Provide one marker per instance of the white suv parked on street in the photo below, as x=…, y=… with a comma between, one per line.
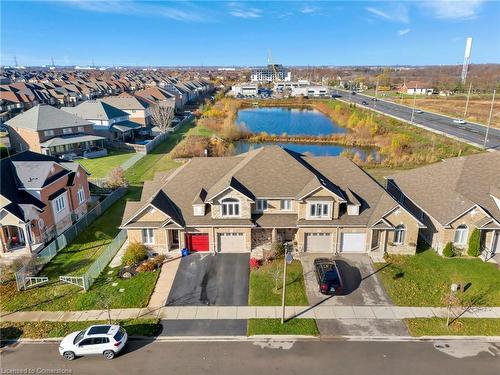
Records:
x=107, y=340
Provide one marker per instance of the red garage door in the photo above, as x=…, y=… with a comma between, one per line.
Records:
x=197, y=242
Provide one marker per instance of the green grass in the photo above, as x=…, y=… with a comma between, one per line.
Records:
x=100, y=167
x=425, y=278
x=201, y=131
x=262, y=285
x=48, y=329
x=459, y=327
x=274, y=327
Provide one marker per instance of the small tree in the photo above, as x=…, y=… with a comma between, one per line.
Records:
x=162, y=116
x=116, y=178
x=474, y=249
x=275, y=272
x=448, y=250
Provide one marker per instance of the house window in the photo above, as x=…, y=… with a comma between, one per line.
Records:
x=461, y=234
x=286, y=205
x=261, y=204
x=81, y=195
x=67, y=130
x=230, y=207
x=319, y=210
x=399, y=235
x=81, y=129
x=148, y=236
x=60, y=204
x=199, y=210
x=48, y=133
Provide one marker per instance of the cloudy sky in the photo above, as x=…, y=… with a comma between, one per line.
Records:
x=169, y=33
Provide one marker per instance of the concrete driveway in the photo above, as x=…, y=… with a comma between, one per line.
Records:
x=362, y=287
x=205, y=279
x=361, y=284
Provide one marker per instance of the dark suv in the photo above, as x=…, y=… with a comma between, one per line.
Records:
x=328, y=276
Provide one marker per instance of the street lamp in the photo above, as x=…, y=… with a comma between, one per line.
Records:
x=287, y=259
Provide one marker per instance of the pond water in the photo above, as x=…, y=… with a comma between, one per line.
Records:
x=292, y=121
x=313, y=149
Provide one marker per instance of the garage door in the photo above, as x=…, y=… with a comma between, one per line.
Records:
x=232, y=243
x=318, y=243
x=197, y=242
x=353, y=242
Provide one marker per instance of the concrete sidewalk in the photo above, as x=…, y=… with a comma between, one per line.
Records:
x=250, y=312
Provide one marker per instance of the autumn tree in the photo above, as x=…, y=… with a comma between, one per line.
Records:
x=162, y=116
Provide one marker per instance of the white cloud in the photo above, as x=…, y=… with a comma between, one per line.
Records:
x=190, y=13
x=396, y=13
x=453, y=9
x=403, y=32
x=309, y=10
x=243, y=11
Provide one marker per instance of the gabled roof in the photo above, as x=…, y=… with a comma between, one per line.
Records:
x=447, y=189
x=126, y=102
x=46, y=117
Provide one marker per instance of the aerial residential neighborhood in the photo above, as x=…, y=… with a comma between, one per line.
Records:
x=272, y=187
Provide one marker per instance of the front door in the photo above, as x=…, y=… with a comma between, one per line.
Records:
x=495, y=244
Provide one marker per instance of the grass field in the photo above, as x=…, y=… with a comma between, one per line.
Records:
x=462, y=326
x=425, y=278
x=274, y=327
x=46, y=329
x=100, y=167
x=262, y=284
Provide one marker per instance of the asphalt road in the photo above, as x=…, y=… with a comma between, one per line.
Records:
x=204, y=279
x=469, y=132
x=229, y=358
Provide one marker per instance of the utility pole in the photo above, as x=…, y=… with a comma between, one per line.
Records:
x=467, y=102
x=287, y=259
x=414, y=102
x=489, y=119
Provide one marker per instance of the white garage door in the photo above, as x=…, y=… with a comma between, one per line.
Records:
x=231, y=243
x=353, y=242
x=319, y=243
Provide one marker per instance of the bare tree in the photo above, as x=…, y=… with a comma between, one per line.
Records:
x=162, y=116
x=276, y=273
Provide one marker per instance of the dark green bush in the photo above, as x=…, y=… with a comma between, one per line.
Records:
x=474, y=249
x=448, y=250
x=135, y=252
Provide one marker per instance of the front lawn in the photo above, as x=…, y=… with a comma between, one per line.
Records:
x=100, y=167
x=459, y=327
x=262, y=285
x=274, y=327
x=425, y=278
x=47, y=329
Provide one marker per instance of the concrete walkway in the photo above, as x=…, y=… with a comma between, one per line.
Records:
x=250, y=312
x=164, y=283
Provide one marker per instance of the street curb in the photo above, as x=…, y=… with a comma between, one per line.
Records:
x=280, y=338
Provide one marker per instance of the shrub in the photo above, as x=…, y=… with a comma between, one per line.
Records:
x=448, y=250
x=278, y=248
x=474, y=249
x=135, y=252
x=254, y=264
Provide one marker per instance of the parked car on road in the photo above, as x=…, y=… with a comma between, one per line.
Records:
x=459, y=121
x=328, y=276
x=419, y=111
x=364, y=102
x=107, y=340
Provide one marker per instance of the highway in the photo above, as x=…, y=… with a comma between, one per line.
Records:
x=468, y=132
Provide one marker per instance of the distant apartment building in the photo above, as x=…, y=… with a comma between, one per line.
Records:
x=245, y=89
x=51, y=131
x=40, y=197
x=271, y=73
